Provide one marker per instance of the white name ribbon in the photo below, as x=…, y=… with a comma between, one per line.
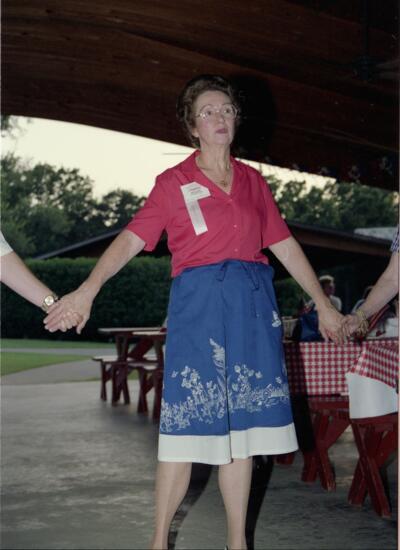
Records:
x=192, y=193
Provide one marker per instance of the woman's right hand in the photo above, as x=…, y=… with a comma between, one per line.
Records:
x=72, y=310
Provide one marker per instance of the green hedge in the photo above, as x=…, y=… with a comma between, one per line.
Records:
x=288, y=295
x=136, y=296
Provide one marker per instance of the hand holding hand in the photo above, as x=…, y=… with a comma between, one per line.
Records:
x=350, y=325
x=330, y=324
x=72, y=310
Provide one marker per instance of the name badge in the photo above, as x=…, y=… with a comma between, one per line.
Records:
x=192, y=193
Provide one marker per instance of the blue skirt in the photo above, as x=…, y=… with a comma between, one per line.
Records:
x=225, y=392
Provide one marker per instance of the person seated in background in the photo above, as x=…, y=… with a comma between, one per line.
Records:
x=306, y=329
x=328, y=286
x=360, y=302
x=302, y=306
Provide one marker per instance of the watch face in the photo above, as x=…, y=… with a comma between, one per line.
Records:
x=49, y=300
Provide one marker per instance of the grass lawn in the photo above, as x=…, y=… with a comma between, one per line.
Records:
x=16, y=362
x=51, y=344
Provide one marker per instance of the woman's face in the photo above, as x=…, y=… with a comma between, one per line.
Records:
x=214, y=126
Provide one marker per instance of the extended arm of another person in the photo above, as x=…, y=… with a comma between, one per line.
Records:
x=17, y=276
x=386, y=288
x=121, y=250
x=291, y=255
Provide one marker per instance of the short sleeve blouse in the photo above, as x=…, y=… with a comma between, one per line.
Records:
x=5, y=248
x=238, y=225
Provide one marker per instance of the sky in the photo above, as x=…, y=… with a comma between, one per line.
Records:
x=111, y=159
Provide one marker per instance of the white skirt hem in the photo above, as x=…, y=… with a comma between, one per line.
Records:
x=221, y=449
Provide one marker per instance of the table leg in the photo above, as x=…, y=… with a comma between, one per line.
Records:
x=374, y=448
x=310, y=467
x=119, y=372
x=120, y=383
x=286, y=459
x=328, y=426
x=157, y=382
x=114, y=382
x=122, y=345
x=124, y=384
x=143, y=389
x=358, y=489
x=334, y=429
x=105, y=377
x=369, y=444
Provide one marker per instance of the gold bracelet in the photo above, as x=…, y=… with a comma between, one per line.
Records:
x=364, y=325
x=361, y=313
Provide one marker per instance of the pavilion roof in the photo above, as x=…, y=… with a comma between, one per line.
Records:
x=120, y=65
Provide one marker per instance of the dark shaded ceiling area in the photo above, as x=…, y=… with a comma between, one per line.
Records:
x=318, y=78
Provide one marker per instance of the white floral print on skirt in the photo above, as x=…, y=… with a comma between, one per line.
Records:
x=225, y=392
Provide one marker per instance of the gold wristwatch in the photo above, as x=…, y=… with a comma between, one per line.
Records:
x=48, y=301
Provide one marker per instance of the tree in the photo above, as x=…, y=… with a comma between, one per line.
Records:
x=117, y=207
x=45, y=208
x=70, y=193
x=51, y=222
x=9, y=124
x=342, y=206
x=15, y=204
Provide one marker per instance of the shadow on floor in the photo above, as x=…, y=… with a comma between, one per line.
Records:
x=198, y=482
x=262, y=470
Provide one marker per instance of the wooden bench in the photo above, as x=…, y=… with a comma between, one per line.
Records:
x=117, y=371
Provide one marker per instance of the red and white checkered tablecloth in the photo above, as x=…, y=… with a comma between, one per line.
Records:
x=319, y=368
x=379, y=359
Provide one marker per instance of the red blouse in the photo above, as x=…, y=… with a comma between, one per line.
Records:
x=238, y=225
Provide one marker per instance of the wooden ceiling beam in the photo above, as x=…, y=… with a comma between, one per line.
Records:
x=121, y=65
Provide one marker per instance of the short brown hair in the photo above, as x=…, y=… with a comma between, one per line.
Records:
x=192, y=90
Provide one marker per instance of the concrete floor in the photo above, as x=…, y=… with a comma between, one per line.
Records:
x=79, y=474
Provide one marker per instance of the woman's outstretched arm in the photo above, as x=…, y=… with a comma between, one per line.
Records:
x=384, y=290
x=291, y=255
x=79, y=302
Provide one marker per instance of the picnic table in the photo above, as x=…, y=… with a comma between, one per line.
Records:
x=327, y=384
x=133, y=345
x=328, y=387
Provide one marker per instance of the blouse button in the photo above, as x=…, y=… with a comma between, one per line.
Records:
x=235, y=226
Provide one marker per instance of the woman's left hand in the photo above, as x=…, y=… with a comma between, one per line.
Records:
x=350, y=325
x=330, y=324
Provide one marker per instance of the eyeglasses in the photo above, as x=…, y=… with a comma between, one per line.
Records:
x=208, y=112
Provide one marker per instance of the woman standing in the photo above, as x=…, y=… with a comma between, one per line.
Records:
x=225, y=395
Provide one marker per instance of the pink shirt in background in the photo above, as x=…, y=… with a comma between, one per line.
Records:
x=239, y=225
